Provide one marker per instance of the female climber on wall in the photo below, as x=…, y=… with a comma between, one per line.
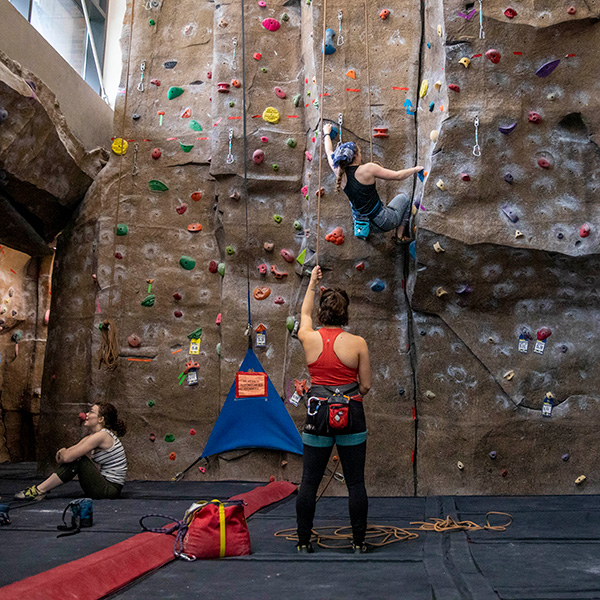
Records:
x=338, y=364
x=367, y=208
x=100, y=448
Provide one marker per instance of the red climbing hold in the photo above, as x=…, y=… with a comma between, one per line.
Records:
x=493, y=55
x=156, y=153
x=380, y=132
x=133, y=340
x=287, y=255
x=278, y=274
x=272, y=478
x=194, y=227
x=257, y=56
x=534, y=117
x=465, y=177
x=262, y=269
x=336, y=236
x=360, y=266
x=172, y=456
x=178, y=314
x=155, y=82
x=544, y=163
x=152, y=437
x=82, y=416
x=196, y=196
x=177, y=296
x=118, y=255
x=454, y=87
x=209, y=75
x=181, y=209
x=543, y=333
x=213, y=266
x=236, y=83
x=223, y=87
x=584, y=230
x=510, y=13
x=192, y=432
x=279, y=92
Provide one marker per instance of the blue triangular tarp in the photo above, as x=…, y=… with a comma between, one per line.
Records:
x=253, y=422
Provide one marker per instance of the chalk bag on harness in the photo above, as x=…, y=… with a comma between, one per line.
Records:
x=338, y=410
x=82, y=515
x=362, y=228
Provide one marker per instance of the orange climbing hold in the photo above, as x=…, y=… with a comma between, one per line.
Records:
x=261, y=293
x=278, y=274
x=194, y=227
x=380, y=132
x=172, y=456
x=351, y=73
x=186, y=114
x=196, y=196
x=336, y=236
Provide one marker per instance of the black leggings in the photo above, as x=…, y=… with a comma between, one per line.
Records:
x=314, y=463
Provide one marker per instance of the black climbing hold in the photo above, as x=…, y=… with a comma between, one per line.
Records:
x=401, y=391
x=423, y=332
x=170, y=64
x=3, y=114
x=197, y=82
x=560, y=236
x=564, y=348
x=135, y=116
x=508, y=178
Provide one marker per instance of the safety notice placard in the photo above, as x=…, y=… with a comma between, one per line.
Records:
x=250, y=385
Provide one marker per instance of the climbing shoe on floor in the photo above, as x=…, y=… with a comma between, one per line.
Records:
x=305, y=548
x=360, y=548
x=31, y=493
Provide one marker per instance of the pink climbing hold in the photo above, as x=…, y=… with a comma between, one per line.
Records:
x=336, y=236
x=454, y=87
x=584, y=230
x=134, y=341
x=181, y=209
x=304, y=190
x=279, y=300
x=571, y=10
x=544, y=163
x=258, y=156
x=543, y=333
x=155, y=82
x=534, y=117
x=152, y=437
x=209, y=75
x=82, y=416
x=287, y=255
x=510, y=13
x=156, y=153
x=279, y=92
x=264, y=139
x=278, y=274
x=271, y=24
x=493, y=55
x=262, y=269
x=213, y=267
x=269, y=246
x=309, y=156
x=262, y=3
x=218, y=319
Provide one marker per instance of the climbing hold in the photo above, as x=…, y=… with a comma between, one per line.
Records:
x=378, y=286
x=223, y=23
x=438, y=248
x=156, y=153
x=287, y=255
x=170, y=64
x=328, y=44
x=194, y=227
x=221, y=269
x=565, y=457
x=571, y=10
x=187, y=113
x=157, y=186
x=439, y=30
x=187, y=263
x=510, y=13
x=213, y=266
x=291, y=142
x=351, y=73
x=230, y=250
x=460, y=466
x=121, y=229
x=134, y=341
x=257, y=56
x=547, y=68
x=534, y=117
x=174, y=92
x=290, y=323
x=510, y=213
x=279, y=92
x=262, y=269
x=235, y=195
x=543, y=333
x=236, y=83
x=465, y=177
x=509, y=375
x=584, y=230
x=148, y=300
x=298, y=225
x=380, y=132
x=493, y=454
x=279, y=300
x=454, y=87
x=269, y=246
x=209, y=75
x=186, y=147
x=258, y=156
x=384, y=14
x=440, y=184
x=518, y=234
x=433, y=135
x=223, y=87
x=506, y=129
x=196, y=196
x=218, y=319
x=119, y=146
x=271, y=24
x=260, y=293
x=544, y=163
x=264, y=139
x=3, y=114
x=262, y=3
x=493, y=56
x=308, y=155
x=336, y=236
x=360, y=266
x=178, y=314
x=441, y=292
x=177, y=296
x=423, y=89
x=580, y=480
x=465, y=61
x=431, y=106
x=152, y=437
x=181, y=209
x=304, y=191
x=277, y=218
x=136, y=116
x=271, y=115
x=429, y=394
x=508, y=177
x=118, y=255
x=172, y=456
x=438, y=85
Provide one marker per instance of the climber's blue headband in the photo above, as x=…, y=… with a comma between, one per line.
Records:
x=344, y=153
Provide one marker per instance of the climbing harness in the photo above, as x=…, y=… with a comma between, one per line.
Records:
x=140, y=86
x=233, y=62
x=340, y=40
x=481, y=31
x=229, y=155
x=476, y=147
x=134, y=168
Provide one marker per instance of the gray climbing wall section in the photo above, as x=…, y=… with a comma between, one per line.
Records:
x=452, y=307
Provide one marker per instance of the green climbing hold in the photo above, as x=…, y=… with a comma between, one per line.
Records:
x=149, y=300
x=285, y=17
x=151, y=22
x=296, y=100
x=195, y=125
x=297, y=226
x=277, y=218
x=264, y=69
x=151, y=403
x=229, y=250
x=157, y=186
x=275, y=167
x=316, y=104
x=195, y=334
x=291, y=142
x=301, y=257
x=219, y=349
x=187, y=263
x=221, y=269
x=290, y=323
x=186, y=147
x=174, y=92
x=122, y=229
x=169, y=437
x=232, y=104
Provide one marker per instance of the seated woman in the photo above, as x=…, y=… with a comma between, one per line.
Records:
x=361, y=189
x=100, y=448
x=338, y=363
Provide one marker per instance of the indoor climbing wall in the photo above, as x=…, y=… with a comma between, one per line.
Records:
x=495, y=323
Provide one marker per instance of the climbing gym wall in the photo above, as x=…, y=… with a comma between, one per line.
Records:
x=173, y=242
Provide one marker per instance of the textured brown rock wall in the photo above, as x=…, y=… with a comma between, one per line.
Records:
x=458, y=346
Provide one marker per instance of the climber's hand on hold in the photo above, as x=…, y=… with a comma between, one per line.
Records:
x=314, y=277
x=327, y=129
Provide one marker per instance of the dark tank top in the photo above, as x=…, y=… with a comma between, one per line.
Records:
x=363, y=198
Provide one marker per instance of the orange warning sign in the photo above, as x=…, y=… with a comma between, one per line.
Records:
x=250, y=385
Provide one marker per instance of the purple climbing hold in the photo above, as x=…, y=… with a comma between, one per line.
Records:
x=508, y=177
x=493, y=454
x=510, y=213
x=565, y=457
x=547, y=68
x=464, y=289
x=508, y=128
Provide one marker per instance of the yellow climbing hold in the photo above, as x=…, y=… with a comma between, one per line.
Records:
x=438, y=247
x=424, y=87
x=580, y=480
x=465, y=61
x=438, y=85
x=439, y=30
x=460, y=466
x=518, y=234
x=119, y=146
x=509, y=375
x=441, y=184
x=271, y=115
x=441, y=292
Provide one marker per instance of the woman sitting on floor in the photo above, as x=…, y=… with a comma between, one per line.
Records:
x=101, y=447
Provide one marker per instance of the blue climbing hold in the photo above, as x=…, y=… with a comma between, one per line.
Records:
x=378, y=286
x=412, y=249
x=328, y=44
x=431, y=106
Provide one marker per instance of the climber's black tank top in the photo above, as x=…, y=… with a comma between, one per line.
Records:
x=363, y=198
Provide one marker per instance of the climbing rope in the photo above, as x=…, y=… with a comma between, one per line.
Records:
x=368, y=80
x=109, y=346
x=383, y=535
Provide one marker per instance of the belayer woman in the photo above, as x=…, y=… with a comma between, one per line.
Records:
x=360, y=187
x=340, y=375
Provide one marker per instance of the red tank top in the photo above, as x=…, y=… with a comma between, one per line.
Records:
x=328, y=369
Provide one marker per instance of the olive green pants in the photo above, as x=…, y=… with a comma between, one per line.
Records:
x=94, y=485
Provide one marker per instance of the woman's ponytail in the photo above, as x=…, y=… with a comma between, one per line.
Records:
x=111, y=419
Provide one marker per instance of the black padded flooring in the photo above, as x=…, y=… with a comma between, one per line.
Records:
x=550, y=552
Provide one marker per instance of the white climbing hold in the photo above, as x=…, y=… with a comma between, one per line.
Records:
x=438, y=85
x=433, y=136
x=430, y=394
x=509, y=375
x=441, y=184
x=460, y=466
x=438, y=247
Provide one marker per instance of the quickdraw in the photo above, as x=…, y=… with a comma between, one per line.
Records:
x=140, y=86
x=230, y=155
